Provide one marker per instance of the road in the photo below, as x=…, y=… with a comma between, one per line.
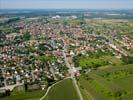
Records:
x=11, y=87
x=72, y=76
x=71, y=72
x=42, y=98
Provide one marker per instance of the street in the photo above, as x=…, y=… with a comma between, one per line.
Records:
x=71, y=72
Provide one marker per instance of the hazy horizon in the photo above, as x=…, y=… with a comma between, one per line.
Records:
x=69, y=4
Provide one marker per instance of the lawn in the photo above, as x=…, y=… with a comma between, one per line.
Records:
x=112, y=83
x=64, y=90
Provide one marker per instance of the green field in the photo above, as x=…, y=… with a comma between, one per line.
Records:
x=111, y=83
x=64, y=90
x=31, y=95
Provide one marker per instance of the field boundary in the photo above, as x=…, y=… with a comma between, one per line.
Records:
x=42, y=98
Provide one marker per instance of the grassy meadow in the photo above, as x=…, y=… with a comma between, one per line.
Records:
x=111, y=83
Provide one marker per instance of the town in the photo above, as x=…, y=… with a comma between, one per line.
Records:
x=39, y=51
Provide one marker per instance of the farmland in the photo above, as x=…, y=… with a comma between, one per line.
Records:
x=62, y=91
x=106, y=84
x=22, y=95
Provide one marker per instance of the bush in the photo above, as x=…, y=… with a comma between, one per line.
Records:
x=127, y=59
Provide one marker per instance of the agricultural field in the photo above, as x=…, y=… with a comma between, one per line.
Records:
x=120, y=26
x=62, y=91
x=22, y=95
x=111, y=83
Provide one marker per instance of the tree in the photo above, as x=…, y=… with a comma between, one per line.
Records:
x=26, y=36
x=127, y=59
x=42, y=47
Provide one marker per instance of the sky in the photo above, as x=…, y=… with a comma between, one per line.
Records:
x=67, y=4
